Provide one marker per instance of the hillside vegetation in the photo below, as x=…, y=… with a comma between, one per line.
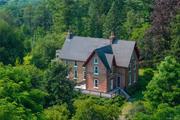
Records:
x=33, y=87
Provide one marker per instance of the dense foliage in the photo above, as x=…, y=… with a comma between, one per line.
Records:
x=34, y=86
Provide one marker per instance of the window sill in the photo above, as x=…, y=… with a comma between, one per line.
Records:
x=96, y=73
x=67, y=76
x=96, y=87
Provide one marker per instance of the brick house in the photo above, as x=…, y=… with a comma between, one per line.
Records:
x=101, y=64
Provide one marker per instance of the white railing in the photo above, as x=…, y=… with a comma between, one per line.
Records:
x=111, y=94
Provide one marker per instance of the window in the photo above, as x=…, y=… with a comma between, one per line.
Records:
x=118, y=81
x=134, y=65
x=95, y=61
x=57, y=56
x=134, y=76
x=75, y=63
x=96, y=83
x=84, y=73
x=134, y=71
x=67, y=73
x=96, y=70
x=75, y=70
x=111, y=84
x=75, y=73
x=130, y=76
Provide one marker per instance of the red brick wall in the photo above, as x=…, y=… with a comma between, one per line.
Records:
x=102, y=77
x=80, y=77
x=117, y=72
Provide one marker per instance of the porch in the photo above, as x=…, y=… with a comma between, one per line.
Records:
x=115, y=92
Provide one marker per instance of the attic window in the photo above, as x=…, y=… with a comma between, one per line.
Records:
x=95, y=61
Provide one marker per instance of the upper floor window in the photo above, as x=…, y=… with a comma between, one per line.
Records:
x=96, y=70
x=84, y=73
x=134, y=76
x=75, y=63
x=134, y=65
x=95, y=60
x=96, y=83
x=75, y=73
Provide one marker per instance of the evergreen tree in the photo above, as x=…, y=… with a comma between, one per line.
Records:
x=114, y=19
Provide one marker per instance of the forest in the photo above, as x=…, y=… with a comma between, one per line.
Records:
x=34, y=87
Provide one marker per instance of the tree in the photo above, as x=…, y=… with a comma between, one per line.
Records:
x=158, y=39
x=114, y=19
x=18, y=97
x=11, y=45
x=45, y=49
x=57, y=112
x=89, y=110
x=175, y=29
x=164, y=87
x=96, y=15
x=59, y=88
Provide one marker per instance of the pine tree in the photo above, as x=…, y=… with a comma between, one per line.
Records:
x=114, y=19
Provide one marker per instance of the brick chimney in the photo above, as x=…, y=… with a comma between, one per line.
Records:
x=112, y=38
x=69, y=35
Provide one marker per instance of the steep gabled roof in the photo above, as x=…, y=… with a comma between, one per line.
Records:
x=81, y=48
x=104, y=54
x=123, y=51
x=109, y=58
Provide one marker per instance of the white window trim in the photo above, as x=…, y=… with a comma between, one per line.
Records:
x=75, y=77
x=84, y=73
x=75, y=64
x=97, y=70
x=95, y=59
x=97, y=83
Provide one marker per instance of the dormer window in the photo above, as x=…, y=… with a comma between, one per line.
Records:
x=95, y=61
